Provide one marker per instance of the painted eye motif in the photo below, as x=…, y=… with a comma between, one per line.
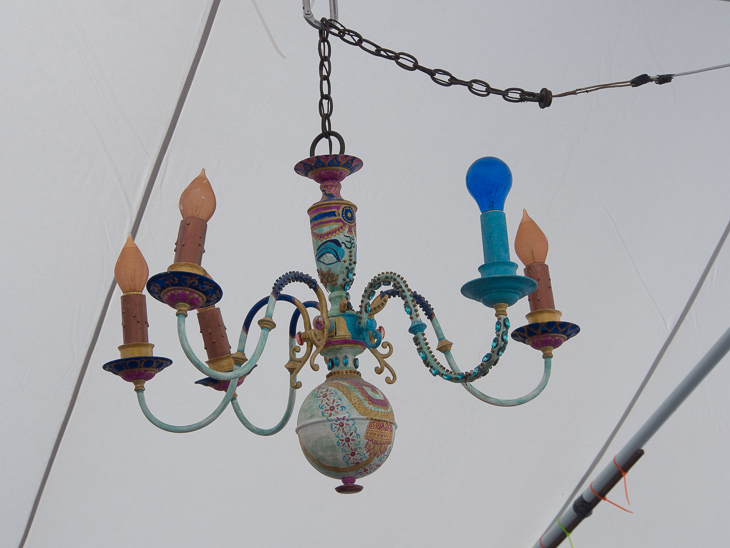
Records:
x=327, y=258
x=330, y=252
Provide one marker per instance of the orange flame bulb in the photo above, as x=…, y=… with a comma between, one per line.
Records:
x=531, y=244
x=198, y=199
x=131, y=271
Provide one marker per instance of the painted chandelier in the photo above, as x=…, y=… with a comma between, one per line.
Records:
x=346, y=425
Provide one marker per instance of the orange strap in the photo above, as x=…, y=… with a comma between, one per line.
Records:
x=626, y=488
x=541, y=544
x=609, y=501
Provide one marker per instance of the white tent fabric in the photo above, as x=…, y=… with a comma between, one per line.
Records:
x=630, y=186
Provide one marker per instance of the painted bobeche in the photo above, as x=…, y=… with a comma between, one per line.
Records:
x=346, y=426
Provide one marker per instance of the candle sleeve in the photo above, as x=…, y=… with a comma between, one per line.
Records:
x=214, y=334
x=190, y=240
x=542, y=297
x=134, y=318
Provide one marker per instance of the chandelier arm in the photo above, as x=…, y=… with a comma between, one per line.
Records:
x=412, y=301
x=247, y=323
x=230, y=393
x=238, y=372
x=316, y=338
x=300, y=311
x=267, y=431
x=292, y=389
x=517, y=401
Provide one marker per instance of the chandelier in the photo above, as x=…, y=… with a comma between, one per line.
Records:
x=346, y=426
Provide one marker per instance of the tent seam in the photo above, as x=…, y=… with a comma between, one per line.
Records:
x=135, y=227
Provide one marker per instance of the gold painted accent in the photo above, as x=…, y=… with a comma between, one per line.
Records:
x=221, y=364
x=378, y=304
x=547, y=351
x=315, y=339
x=239, y=358
x=291, y=365
x=343, y=305
x=132, y=293
x=138, y=385
x=188, y=267
x=545, y=315
x=444, y=345
x=383, y=364
x=355, y=399
x=135, y=350
x=500, y=309
x=182, y=308
x=267, y=323
x=343, y=372
x=353, y=468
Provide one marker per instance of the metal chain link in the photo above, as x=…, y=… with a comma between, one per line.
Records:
x=441, y=77
x=325, y=87
x=325, y=94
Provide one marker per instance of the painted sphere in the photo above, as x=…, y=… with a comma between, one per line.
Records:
x=346, y=427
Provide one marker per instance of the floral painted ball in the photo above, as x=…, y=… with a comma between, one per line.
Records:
x=346, y=429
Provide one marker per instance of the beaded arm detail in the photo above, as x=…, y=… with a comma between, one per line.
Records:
x=412, y=301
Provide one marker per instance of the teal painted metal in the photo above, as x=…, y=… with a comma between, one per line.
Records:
x=274, y=429
x=291, y=400
x=499, y=344
x=516, y=401
x=191, y=427
x=495, y=243
x=499, y=281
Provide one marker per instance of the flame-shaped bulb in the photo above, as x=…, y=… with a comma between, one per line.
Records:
x=531, y=244
x=131, y=271
x=198, y=199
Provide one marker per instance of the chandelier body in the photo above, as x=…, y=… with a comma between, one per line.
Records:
x=346, y=426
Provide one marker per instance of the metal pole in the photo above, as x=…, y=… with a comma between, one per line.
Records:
x=571, y=518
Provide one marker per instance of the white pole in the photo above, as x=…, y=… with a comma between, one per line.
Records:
x=626, y=457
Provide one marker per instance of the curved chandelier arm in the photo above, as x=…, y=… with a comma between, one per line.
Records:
x=315, y=336
x=517, y=401
x=267, y=431
x=238, y=372
x=190, y=427
x=300, y=311
x=412, y=301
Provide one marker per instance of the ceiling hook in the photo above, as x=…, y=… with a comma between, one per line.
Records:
x=309, y=16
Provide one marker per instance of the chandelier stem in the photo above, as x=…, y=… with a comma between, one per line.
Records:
x=190, y=427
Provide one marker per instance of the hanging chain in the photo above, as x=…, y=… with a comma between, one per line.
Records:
x=325, y=87
x=325, y=94
x=441, y=77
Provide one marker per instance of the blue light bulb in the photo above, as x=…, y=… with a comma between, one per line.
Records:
x=489, y=180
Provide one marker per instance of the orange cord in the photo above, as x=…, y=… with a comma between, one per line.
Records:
x=626, y=487
x=609, y=501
